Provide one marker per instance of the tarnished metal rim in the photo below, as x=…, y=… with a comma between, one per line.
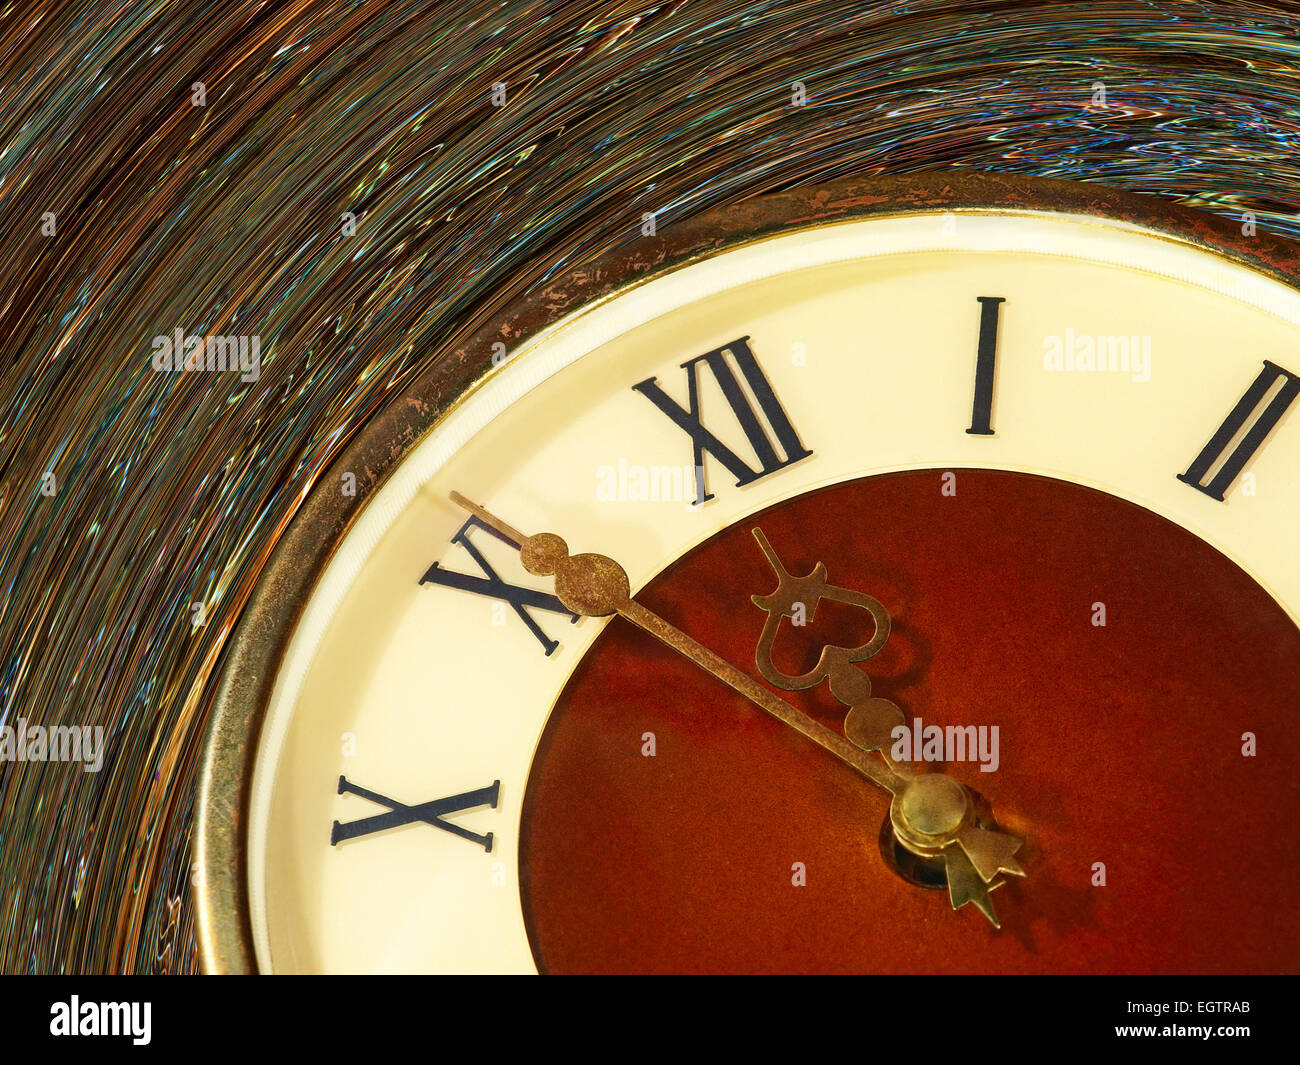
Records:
x=224, y=931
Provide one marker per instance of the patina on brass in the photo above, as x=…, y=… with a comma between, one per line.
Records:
x=465, y=362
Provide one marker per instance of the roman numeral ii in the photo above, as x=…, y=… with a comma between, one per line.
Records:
x=1233, y=424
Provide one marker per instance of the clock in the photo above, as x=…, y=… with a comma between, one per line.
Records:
x=888, y=576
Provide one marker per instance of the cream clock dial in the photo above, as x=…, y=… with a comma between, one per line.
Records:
x=1057, y=448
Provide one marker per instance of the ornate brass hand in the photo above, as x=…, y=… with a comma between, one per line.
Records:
x=932, y=814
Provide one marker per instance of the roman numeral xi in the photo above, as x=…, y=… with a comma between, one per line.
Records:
x=522, y=600
x=1257, y=428
x=750, y=416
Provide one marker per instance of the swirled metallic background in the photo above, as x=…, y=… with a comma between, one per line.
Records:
x=226, y=217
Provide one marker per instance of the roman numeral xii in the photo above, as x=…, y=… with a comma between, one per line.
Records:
x=765, y=409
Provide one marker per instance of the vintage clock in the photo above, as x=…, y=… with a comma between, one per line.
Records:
x=890, y=576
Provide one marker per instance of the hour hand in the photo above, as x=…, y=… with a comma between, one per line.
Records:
x=932, y=815
x=965, y=885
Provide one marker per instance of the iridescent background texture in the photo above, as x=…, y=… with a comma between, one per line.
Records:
x=228, y=218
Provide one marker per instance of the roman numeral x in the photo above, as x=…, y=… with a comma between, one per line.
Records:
x=429, y=813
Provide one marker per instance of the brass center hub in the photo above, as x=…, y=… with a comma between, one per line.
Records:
x=931, y=807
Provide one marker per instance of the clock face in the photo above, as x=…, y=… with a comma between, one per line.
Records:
x=1049, y=464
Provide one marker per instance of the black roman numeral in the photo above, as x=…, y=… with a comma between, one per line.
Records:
x=429, y=813
x=769, y=407
x=520, y=599
x=985, y=359
x=1232, y=425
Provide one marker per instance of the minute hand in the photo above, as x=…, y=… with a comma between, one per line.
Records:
x=597, y=586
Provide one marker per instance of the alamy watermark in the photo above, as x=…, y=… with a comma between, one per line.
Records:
x=920, y=742
x=629, y=483
x=57, y=743
x=1068, y=353
x=180, y=353
x=77, y=1018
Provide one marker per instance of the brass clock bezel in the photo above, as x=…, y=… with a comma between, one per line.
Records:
x=224, y=931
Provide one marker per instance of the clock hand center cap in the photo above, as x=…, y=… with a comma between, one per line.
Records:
x=931, y=806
